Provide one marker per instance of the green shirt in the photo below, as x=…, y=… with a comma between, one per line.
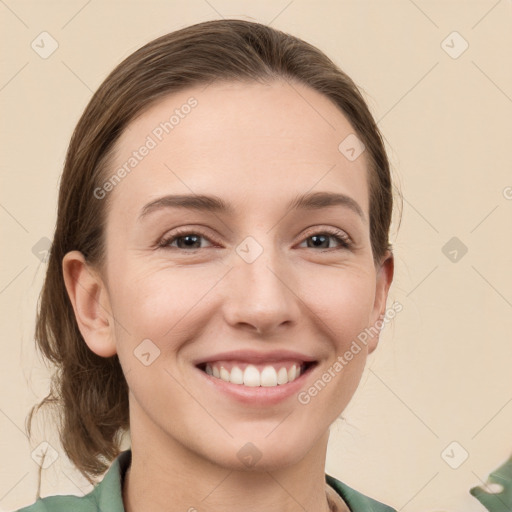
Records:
x=107, y=495
x=499, y=500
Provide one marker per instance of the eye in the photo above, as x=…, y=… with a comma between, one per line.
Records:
x=191, y=240
x=320, y=238
x=185, y=240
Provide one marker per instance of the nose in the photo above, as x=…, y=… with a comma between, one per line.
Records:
x=261, y=296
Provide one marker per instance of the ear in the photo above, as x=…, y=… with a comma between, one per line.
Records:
x=384, y=277
x=89, y=297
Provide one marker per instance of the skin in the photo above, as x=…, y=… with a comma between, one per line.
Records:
x=257, y=147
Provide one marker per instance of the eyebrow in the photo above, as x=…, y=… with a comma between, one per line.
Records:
x=215, y=204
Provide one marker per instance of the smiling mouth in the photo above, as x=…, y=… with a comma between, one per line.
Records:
x=257, y=375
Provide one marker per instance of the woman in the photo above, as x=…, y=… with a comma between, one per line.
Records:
x=218, y=275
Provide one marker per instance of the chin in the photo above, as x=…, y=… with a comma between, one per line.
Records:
x=256, y=453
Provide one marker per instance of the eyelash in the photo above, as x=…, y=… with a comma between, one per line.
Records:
x=338, y=235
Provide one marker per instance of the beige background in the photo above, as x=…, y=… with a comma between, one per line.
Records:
x=442, y=372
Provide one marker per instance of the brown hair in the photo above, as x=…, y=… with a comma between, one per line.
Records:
x=90, y=391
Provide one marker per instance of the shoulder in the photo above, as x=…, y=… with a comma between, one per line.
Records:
x=63, y=503
x=106, y=496
x=356, y=501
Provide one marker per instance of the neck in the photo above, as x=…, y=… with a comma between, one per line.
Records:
x=166, y=476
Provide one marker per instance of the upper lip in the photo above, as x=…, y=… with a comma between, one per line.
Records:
x=255, y=356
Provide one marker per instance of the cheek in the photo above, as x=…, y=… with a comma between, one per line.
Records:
x=343, y=302
x=161, y=303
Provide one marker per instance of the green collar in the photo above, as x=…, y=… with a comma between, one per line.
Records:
x=107, y=495
x=110, y=498
x=355, y=500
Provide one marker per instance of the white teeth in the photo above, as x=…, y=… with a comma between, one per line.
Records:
x=252, y=377
x=236, y=376
x=269, y=376
x=224, y=374
x=282, y=376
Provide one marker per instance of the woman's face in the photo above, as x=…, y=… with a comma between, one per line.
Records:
x=257, y=282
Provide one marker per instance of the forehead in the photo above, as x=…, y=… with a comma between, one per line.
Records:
x=250, y=142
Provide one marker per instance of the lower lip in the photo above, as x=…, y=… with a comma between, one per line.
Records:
x=258, y=395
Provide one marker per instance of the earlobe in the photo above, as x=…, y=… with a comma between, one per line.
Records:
x=89, y=298
x=383, y=282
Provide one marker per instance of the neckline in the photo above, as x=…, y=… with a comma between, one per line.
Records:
x=334, y=498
